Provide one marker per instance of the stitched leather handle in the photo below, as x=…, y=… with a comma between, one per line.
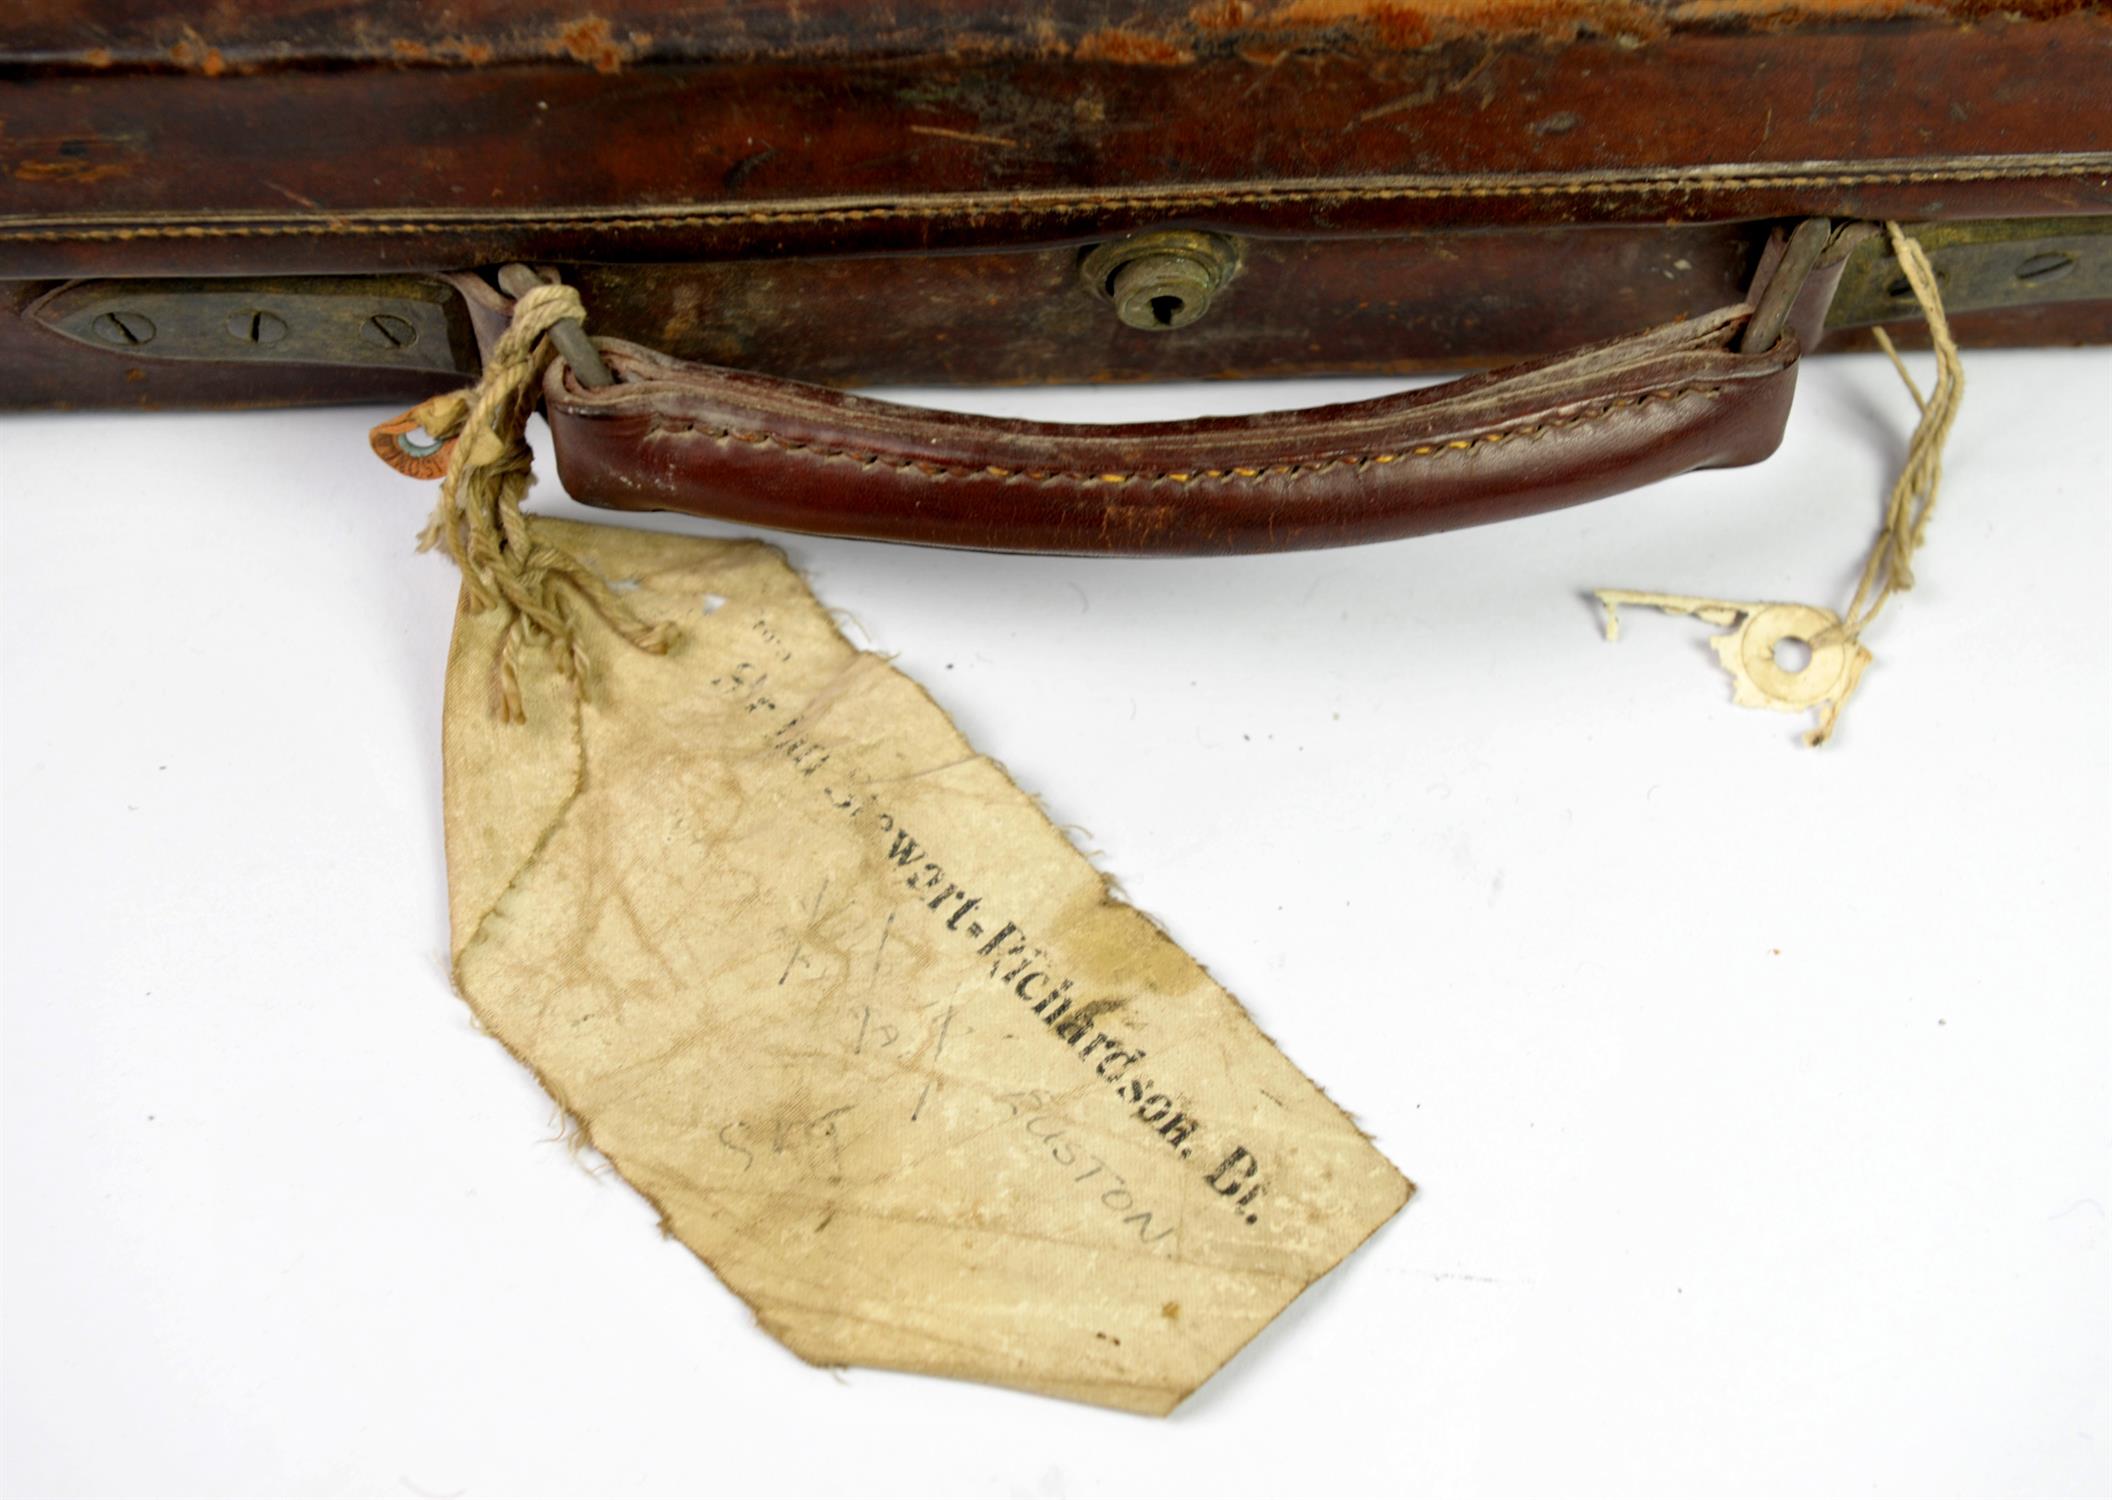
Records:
x=671, y=435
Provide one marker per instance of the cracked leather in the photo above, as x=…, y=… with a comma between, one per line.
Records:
x=676, y=436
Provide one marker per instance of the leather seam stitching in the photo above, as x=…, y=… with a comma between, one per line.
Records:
x=928, y=469
x=348, y=225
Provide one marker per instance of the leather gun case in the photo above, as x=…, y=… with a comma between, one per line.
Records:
x=761, y=203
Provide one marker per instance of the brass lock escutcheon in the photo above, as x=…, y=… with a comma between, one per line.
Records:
x=1162, y=279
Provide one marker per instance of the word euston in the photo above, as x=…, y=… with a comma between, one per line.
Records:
x=1025, y=969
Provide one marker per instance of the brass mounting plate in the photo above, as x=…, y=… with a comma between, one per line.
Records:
x=1988, y=263
x=384, y=322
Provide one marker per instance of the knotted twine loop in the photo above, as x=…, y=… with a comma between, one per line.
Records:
x=1838, y=657
x=505, y=564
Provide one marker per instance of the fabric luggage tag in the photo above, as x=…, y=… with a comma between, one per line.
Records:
x=839, y=999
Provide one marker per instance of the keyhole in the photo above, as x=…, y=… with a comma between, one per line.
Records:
x=1165, y=309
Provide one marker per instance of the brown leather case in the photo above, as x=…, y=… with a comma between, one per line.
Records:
x=758, y=201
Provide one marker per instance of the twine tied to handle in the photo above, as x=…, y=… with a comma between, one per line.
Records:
x=487, y=470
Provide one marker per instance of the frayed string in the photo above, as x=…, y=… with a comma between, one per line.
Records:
x=1889, y=569
x=505, y=564
x=1838, y=655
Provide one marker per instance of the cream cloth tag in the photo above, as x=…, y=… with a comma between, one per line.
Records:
x=838, y=998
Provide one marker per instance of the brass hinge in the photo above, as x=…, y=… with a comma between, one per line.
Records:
x=376, y=322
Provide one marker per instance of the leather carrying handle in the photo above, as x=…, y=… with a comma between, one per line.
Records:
x=672, y=435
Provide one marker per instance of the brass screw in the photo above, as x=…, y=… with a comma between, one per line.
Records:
x=124, y=328
x=256, y=327
x=387, y=331
x=2051, y=265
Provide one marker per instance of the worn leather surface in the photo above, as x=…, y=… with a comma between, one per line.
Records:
x=852, y=194
x=673, y=435
x=352, y=135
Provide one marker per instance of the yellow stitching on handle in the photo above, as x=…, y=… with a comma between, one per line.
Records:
x=932, y=469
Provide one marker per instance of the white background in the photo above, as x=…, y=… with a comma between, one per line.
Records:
x=1757, y=1095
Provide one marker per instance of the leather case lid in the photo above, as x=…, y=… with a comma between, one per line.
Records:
x=348, y=134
